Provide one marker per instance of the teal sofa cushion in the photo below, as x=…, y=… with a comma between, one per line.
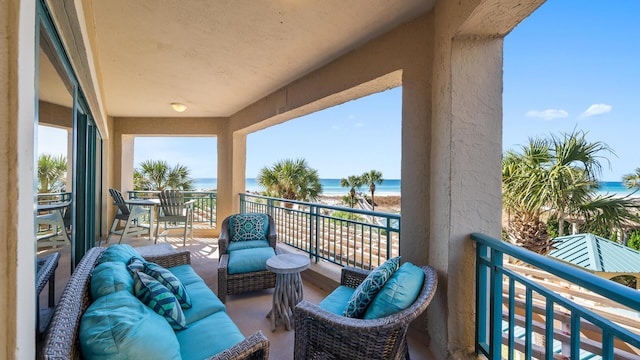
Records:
x=208, y=336
x=249, y=260
x=160, y=299
x=186, y=274
x=368, y=289
x=336, y=302
x=400, y=291
x=118, y=252
x=204, y=301
x=118, y=326
x=247, y=244
x=251, y=226
x=170, y=281
x=110, y=277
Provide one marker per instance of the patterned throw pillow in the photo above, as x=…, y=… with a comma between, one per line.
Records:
x=160, y=299
x=367, y=290
x=170, y=281
x=244, y=227
x=135, y=264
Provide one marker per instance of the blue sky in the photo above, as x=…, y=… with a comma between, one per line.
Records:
x=570, y=65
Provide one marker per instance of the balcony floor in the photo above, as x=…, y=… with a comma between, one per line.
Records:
x=248, y=311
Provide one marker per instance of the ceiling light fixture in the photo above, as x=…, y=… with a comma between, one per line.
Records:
x=179, y=107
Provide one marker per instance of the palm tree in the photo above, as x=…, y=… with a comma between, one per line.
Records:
x=354, y=182
x=52, y=171
x=291, y=179
x=557, y=176
x=158, y=175
x=372, y=177
x=631, y=181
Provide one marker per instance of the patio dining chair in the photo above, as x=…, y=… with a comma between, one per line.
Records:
x=175, y=213
x=132, y=218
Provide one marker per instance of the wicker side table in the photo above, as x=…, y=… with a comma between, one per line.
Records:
x=47, y=266
x=288, y=292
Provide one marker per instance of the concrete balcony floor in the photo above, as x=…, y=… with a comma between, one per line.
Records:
x=248, y=310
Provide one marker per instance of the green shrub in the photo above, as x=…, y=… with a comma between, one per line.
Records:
x=634, y=240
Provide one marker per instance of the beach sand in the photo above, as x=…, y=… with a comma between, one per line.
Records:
x=384, y=203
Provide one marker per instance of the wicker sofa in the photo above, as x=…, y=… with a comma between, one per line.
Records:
x=321, y=334
x=248, y=281
x=62, y=338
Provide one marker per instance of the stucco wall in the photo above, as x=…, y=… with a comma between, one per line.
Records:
x=17, y=114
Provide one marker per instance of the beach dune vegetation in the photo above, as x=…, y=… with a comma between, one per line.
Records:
x=557, y=177
x=290, y=179
x=632, y=181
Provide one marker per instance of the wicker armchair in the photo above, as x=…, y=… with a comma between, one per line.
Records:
x=324, y=335
x=240, y=283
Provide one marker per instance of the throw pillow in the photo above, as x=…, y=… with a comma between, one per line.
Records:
x=118, y=326
x=160, y=299
x=252, y=226
x=108, y=278
x=135, y=264
x=367, y=290
x=170, y=281
x=118, y=252
x=400, y=292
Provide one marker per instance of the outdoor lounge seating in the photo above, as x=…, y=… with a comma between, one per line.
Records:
x=175, y=213
x=322, y=332
x=132, y=218
x=246, y=242
x=108, y=310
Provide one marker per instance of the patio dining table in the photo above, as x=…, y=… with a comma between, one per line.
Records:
x=152, y=204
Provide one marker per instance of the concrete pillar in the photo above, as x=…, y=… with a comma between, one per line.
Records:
x=17, y=179
x=127, y=165
x=232, y=150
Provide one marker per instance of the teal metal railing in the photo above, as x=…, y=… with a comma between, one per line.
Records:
x=48, y=198
x=340, y=235
x=518, y=316
x=204, y=206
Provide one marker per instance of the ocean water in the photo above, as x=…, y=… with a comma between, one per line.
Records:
x=329, y=186
x=388, y=187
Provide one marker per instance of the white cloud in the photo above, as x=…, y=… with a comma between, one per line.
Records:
x=335, y=127
x=359, y=124
x=595, y=110
x=548, y=114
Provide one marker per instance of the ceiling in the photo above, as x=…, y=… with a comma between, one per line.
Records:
x=218, y=57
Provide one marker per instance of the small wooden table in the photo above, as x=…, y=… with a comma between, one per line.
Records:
x=288, y=292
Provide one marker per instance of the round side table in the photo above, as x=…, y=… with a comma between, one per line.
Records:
x=288, y=292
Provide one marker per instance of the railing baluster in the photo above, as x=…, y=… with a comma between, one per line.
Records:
x=548, y=331
x=575, y=336
x=512, y=313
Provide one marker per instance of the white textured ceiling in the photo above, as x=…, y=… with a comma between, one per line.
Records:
x=219, y=56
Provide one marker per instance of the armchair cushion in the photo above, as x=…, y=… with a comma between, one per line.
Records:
x=253, y=226
x=336, y=302
x=249, y=260
x=160, y=299
x=119, y=252
x=400, y=291
x=119, y=326
x=110, y=277
x=368, y=289
x=247, y=244
x=170, y=281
